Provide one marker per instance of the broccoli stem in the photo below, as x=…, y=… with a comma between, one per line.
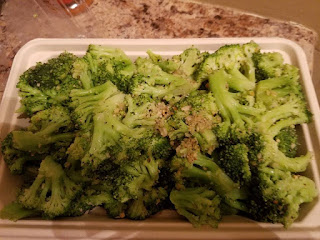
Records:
x=239, y=82
x=15, y=211
x=34, y=142
x=272, y=83
x=277, y=159
x=95, y=93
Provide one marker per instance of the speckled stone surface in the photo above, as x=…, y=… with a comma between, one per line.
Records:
x=136, y=19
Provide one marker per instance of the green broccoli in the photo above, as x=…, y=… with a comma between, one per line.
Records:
x=196, y=115
x=268, y=65
x=148, y=204
x=150, y=79
x=96, y=195
x=287, y=140
x=236, y=116
x=48, y=127
x=15, y=158
x=88, y=102
x=51, y=192
x=276, y=91
x=15, y=211
x=136, y=176
x=276, y=195
x=47, y=84
x=236, y=60
x=142, y=111
x=201, y=169
x=201, y=206
x=184, y=64
x=234, y=160
x=102, y=64
x=110, y=136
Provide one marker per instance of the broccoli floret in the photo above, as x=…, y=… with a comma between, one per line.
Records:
x=75, y=153
x=236, y=116
x=167, y=65
x=152, y=80
x=196, y=115
x=204, y=170
x=102, y=64
x=276, y=195
x=154, y=145
x=15, y=158
x=271, y=123
x=268, y=65
x=48, y=127
x=15, y=211
x=287, y=140
x=110, y=139
x=143, y=111
x=136, y=176
x=137, y=210
x=184, y=64
x=96, y=195
x=234, y=160
x=276, y=91
x=78, y=148
x=94, y=100
x=159, y=147
x=201, y=206
x=51, y=192
x=147, y=205
x=236, y=60
x=47, y=84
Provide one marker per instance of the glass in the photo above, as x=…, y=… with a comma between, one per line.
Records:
x=75, y=7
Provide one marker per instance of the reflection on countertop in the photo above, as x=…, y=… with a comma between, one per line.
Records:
x=136, y=19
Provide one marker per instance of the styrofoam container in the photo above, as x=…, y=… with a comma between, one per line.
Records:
x=167, y=224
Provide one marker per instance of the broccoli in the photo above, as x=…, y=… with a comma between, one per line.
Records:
x=15, y=158
x=102, y=64
x=47, y=84
x=88, y=102
x=51, y=192
x=267, y=65
x=201, y=206
x=143, y=111
x=236, y=60
x=96, y=195
x=150, y=79
x=148, y=204
x=184, y=64
x=159, y=147
x=196, y=115
x=276, y=91
x=236, y=116
x=270, y=125
x=110, y=136
x=234, y=160
x=136, y=176
x=137, y=210
x=287, y=140
x=15, y=211
x=276, y=195
x=48, y=127
x=203, y=170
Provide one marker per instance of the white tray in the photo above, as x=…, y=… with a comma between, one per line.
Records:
x=165, y=225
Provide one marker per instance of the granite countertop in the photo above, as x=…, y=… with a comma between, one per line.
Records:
x=136, y=19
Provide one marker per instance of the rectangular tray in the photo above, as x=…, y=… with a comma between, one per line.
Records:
x=167, y=224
